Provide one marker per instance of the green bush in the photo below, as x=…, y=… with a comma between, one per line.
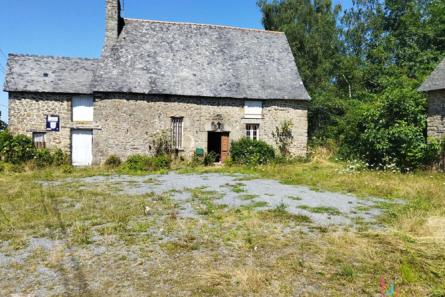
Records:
x=390, y=132
x=146, y=163
x=43, y=158
x=161, y=162
x=209, y=159
x=113, y=161
x=5, y=138
x=18, y=149
x=251, y=152
x=60, y=158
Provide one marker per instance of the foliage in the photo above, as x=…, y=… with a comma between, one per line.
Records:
x=146, y=163
x=60, y=158
x=162, y=144
x=3, y=126
x=312, y=33
x=391, y=129
x=43, y=158
x=251, y=152
x=5, y=138
x=17, y=149
x=283, y=137
x=362, y=69
x=113, y=161
x=209, y=159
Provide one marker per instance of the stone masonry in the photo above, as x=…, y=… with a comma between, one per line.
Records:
x=126, y=124
x=436, y=113
x=28, y=111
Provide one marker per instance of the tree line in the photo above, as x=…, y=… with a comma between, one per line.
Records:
x=362, y=67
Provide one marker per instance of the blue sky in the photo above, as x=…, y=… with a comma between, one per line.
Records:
x=76, y=27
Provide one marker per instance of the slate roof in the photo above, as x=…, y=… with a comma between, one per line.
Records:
x=30, y=73
x=436, y=81
x=153, y=57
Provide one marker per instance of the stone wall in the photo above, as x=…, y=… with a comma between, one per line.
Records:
x=126, y=124
x=130, y=122
x=28, y=111
x=436, y=113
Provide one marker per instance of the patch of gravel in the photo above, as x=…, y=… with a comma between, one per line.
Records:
x=323, y=208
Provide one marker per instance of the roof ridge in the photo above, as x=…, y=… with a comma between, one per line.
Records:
x=52, y=57
x=204, y=25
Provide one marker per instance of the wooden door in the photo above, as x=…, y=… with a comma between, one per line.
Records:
x=224, y=146
x=82, y=147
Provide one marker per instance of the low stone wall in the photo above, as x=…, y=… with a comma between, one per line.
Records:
x=126, y=124
x=436, y=113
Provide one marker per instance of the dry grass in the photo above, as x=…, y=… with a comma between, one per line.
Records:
x=110, y=247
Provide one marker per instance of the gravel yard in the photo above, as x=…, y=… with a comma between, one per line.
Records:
x=197, y=234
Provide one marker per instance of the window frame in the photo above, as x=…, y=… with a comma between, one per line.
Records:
x=177, y=132
x=250, y=129
x=81, y=118
x=39, y=144
x=253, y=109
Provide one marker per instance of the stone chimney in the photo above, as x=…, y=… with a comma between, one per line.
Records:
x=114, y=22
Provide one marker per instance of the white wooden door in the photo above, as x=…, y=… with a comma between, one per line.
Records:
x=82, y=147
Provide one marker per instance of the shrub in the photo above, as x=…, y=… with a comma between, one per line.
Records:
x=59, y=158
x=283, y=137
x=18, y=149
x=161, y=162
x=113, y=161
x=162, y=144
x=3, y=125
x=43, y=158
x=5, y=138
x=67, y=168
x=146, y=163
x=196, y=160
x=390, y=131
x=209, y=159
x=138, y=163
x=251, y=152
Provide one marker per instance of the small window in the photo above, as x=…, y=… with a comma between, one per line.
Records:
x=38, y=138
x=177, y=129
x=253, y=131
x=82, y=107
x=253, y=109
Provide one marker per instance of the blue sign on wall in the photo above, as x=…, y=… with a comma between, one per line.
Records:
x=52, y=123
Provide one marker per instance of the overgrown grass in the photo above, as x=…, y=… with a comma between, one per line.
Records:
x=226, y=252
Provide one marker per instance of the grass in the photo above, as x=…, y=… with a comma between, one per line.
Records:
x=111, y=247
x=320, y=209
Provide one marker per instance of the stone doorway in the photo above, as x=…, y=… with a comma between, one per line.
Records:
x=218, y=143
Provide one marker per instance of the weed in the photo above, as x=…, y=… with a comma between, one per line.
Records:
x=320, y=209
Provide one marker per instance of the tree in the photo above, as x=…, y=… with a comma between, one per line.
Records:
x=3, y=125
x=362, y=69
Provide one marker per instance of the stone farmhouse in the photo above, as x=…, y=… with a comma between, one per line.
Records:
x=205, y=85
x=435, y=88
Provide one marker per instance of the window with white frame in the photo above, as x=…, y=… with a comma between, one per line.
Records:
x=38, y=138
x=177, y=129
x=253, y=131
x=253, y=109
x=82, y=107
